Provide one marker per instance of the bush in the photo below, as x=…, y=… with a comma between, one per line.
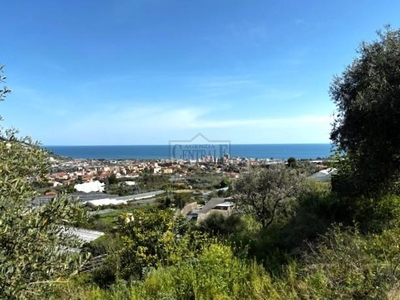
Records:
x=347, y=265
x=217, y=224
x=216, y=274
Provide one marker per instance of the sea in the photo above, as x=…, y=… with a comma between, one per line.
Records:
x=141, y=152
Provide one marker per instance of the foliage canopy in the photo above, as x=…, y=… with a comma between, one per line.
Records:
x=267, y=194
x=34, y=241
x=366, y=127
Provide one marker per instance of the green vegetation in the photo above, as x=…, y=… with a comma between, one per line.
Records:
x=268, y=194
x=151, y=182
x=34, y=242
x=292, y=162
x=367, y=123
x=181, y=197
x=290, y=238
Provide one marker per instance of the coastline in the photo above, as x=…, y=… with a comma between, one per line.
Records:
x=153, y=152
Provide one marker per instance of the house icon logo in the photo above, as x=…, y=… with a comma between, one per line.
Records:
x=199, y=148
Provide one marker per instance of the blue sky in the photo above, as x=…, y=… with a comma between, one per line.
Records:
x=121, y=72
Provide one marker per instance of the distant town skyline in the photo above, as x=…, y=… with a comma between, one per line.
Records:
x=149, y=71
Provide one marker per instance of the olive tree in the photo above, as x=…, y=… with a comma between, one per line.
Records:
x=367, y=124
x=34, y=242
x=268, y=193
x=153, y=238
x=4, y=90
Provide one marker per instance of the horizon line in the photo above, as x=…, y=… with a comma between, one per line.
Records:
x=147, y=145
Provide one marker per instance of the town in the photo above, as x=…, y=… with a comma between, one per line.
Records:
x=203, y=176
x=193, y=188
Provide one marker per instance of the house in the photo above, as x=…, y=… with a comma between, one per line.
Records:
x=324, y=175
x=227, y=207
x=214, y=205
x=93, y=186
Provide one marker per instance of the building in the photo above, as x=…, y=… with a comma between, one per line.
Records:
x=215, y=205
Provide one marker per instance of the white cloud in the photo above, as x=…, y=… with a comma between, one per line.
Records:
x=281, y=94
x=295, y=122
x=299, y=22
x=158, y=124
x=226, y=82
x=132, y=121
x=162, y=117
